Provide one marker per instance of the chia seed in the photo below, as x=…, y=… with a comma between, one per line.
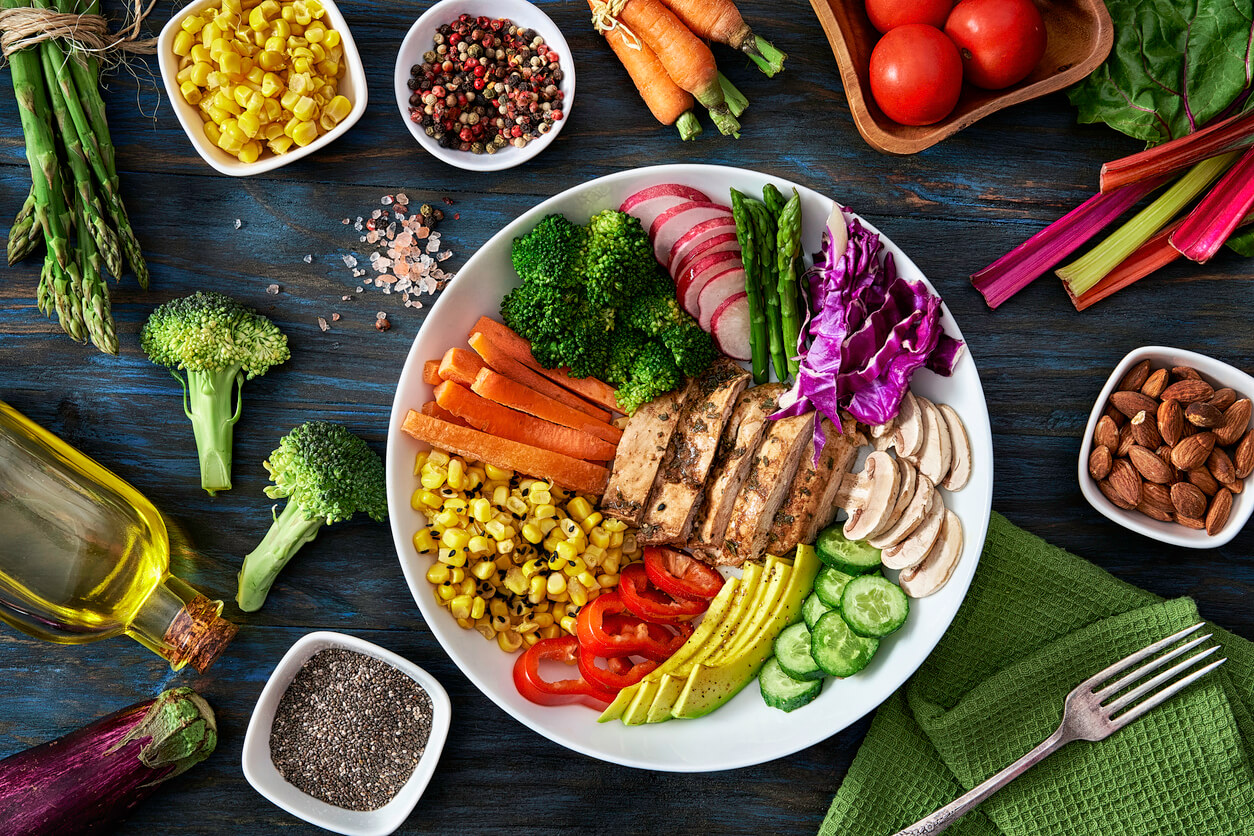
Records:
x=350, y=729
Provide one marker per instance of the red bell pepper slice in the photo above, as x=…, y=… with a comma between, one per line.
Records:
x=652, y=604
x=681, y=575
x=618, y=673
x=534, y=687
x=605, y=628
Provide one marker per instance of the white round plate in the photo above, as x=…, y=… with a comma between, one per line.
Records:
x=744, y=731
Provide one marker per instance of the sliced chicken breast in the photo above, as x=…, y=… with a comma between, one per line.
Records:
x=640, y=452
x=795, y=521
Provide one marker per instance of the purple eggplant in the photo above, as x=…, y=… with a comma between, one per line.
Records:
x=87, y=780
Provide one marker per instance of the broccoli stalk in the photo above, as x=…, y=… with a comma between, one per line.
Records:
x=207, y=404
x=327, y=474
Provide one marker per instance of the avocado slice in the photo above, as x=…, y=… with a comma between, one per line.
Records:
x=764, y=607
x=614, y=710
x=707, y=687
x=639, y=708
x=668, y=691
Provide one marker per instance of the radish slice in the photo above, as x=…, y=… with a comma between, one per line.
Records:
x=731, y=327
x=671, y=225
x=694, y=238
x=722, y=242
x=691, y=283
x=663, y=190
x=716, y=291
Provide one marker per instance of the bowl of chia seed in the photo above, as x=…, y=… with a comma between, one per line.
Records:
x=346, y=735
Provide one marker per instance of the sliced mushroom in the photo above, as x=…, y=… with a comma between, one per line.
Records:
x=905, y=492
x=908, y=435
x=912, y=550
x=960, y=468
x=921, y=503
x=873, y=496
x=882, y=434
x=936, y=569
x=937, y=453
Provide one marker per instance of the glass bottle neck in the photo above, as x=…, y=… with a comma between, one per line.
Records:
x=181, y=625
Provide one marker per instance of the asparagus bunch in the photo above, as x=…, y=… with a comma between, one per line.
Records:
x=75, y=205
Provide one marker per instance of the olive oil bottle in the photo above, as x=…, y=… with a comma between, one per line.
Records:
x=84, y=556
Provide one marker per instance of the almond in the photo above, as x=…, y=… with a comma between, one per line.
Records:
x=1148, y=464
x=1220, y=508
x=1191, y=522
x=1189, y=390
x=1192, y=451
x=1130, y=403
x=1203, y=415
x=1185, y=373
x=1125, y=441
x=1107, y=433
x=1235, y=487
x=1136, y=377
x=1126, y=481
x=1110, y=493
x=1236, y=420
x=1157, y=497
x=1155, y=384
x=1171, y=422
x=1145, y=431
x=1100, y=461
x=1188, y=500
x=1243, y=456
x=1222, y=399
x=1155, y=513
x=1220, y=466
x=1205, y=482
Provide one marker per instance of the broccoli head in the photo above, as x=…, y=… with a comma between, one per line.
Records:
x=552, y=254
x=620, y=261
x=693, y=349
x=327, y=475
x=211, y=344
x=653, y=373
x=624, y=344
x=654, y=312
x=563, y=328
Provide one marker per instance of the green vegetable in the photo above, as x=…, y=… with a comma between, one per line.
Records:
x=787, y=252
x=327, y=474
x=747, y=238
x=774, y=199
x=653, y=373
x=783, y=691
x=770, y=286
x=216, y=343
x=25, y=233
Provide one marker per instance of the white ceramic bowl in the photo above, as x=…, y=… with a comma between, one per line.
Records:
x=1216, y=373
x=744, y=731
x=418, y=41
x=265, y=778
x=352, y=86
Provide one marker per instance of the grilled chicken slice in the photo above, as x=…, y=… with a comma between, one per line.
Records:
x=672, y=504
x=742, y=435
x=845, y=449
x=640, y=452
x=770, y=475
x=801, y=503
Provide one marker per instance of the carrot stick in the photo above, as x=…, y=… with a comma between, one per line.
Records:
x=460, y=366
x=514, y=395
x=502, y=362
x=434, y=410
x=597, y=391
x=499, y=420
x=686, y=58
x=563, y=471
x=669, y=104
x=720, y=21
x=431, y=372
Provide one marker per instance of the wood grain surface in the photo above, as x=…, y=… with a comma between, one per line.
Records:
x=954, y=208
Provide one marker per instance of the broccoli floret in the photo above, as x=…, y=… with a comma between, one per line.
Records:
x=620, y=262
x=655, y=312
x=693, y=349
x=653, y=373
x=563, y=328
x=624, y=344
x=217, y=343
x=552, y=254
x=327, y=474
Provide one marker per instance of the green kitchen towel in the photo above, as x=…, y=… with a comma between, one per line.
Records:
x=1036, y=622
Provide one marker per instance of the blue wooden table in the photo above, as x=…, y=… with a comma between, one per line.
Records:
x=953, y=208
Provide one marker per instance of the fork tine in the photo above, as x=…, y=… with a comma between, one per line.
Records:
x=1155, y=664
x=1164, y=695
x=1128, y=661
x=1144, y=688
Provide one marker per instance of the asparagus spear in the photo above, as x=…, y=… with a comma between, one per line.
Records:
x=43, y=295
x=773, y=199
x=787, y=248
x=770, y=286
x=95, y=293
x=746, y=236
x=25, y=234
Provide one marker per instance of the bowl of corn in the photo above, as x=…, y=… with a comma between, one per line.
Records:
x=257, y=84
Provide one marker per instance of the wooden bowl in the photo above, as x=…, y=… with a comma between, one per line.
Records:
x=1079, y=37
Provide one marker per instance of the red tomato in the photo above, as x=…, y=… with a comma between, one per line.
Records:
x=916, y=74
x=681, y=575
x=889, y=14
x=1001, y=41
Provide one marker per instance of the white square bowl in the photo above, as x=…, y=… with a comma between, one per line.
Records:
x=261, y=772
x=418, y=41
x=1216, y=373
x=352, y=86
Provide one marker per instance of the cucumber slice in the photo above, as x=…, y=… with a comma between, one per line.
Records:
x=838, y=650
x=779, y=690
x=792, y=650
x=813, y=609
x=874, y=606
x=830, y=586
x=852, y=556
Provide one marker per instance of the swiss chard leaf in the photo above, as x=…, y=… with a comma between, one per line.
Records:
x=1175, y=65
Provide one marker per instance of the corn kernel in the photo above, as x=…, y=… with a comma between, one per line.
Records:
x=500, y=495
x=569, y=624
x=505, y=547
x=577, y=591
x=338, y=108
x=460, y=606
x=249, y=124
x=531, y=533
x=423, y=541
x=456, y=468
x=455, y=538
x=213, y=132
x=190, y=92
x=616, y=540
x=589, y=582
x=446, y=592
x=556, y=584
x=599, y=537
x=496, y=474
x=481, y=510
x=231, y=64
x=579, y=508
x=280, y=144
x=183, y=43
x=331, y=39
x=608, y=581
x=192, y=24
x=477, y=607
x=438, y=573
x=566, y=550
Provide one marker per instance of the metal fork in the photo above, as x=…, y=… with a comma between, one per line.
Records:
x=1090, y=714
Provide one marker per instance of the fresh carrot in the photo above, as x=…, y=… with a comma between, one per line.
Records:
x=434, y=410
x=431, y=373
x=460, y=365
x=510, y=393
x=686, y=58
x=563, y=471
x=597, y=391
x=500, y=360
x=720, y=21
x=498, y=419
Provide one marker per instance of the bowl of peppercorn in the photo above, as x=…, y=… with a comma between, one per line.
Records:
x=484, y=85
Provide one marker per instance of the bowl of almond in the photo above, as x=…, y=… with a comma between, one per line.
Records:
x=1168, y=448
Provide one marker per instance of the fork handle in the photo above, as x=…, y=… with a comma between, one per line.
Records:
x=951, y=812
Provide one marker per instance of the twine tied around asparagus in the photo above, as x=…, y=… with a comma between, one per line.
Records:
x=605, y=17
x=86, y=33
